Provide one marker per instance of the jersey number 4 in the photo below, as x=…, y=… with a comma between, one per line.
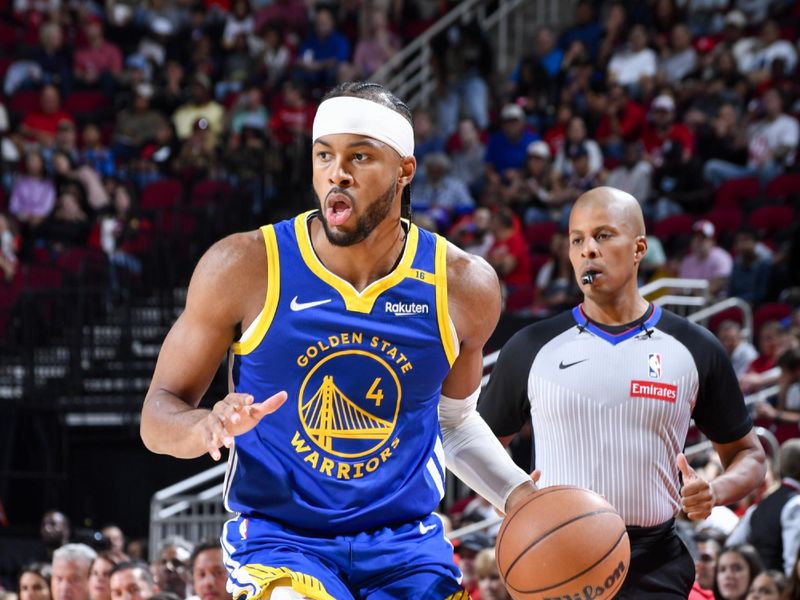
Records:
x=375, y=393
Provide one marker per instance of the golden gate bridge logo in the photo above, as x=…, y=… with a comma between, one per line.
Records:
x=335, y=422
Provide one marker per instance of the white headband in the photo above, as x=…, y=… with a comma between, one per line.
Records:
x=348, y=114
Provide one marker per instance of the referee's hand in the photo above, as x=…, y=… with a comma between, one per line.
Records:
x=697, y=495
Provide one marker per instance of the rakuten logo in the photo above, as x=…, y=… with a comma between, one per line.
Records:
x=657, y=391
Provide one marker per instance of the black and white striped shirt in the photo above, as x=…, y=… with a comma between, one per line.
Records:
x=610, y=407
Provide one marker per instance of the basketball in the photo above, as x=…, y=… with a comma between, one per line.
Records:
x=563, y=542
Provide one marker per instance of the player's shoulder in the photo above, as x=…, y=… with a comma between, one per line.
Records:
x=469, y=274
x=235, y=260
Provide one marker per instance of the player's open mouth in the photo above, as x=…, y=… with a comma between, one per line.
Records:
x=338, y=208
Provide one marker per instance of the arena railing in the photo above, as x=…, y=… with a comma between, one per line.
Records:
x=409, y=73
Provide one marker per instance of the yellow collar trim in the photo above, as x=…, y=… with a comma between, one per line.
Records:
x=353, y=300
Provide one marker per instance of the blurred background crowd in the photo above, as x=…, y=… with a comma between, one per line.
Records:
x=127, y=125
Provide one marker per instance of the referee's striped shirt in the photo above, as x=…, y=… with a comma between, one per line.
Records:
x=611, y=406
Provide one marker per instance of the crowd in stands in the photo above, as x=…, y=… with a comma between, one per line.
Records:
x=113, y=114
x=748, y=551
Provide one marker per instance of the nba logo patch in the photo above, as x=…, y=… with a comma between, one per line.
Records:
x=243, y=529
x=654, y=365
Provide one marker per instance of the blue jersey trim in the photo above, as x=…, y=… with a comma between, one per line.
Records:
x=583, y=321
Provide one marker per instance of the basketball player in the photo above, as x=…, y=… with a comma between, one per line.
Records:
x=611, y=386
x=349, y=330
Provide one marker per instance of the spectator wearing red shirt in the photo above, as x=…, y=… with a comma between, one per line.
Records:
x=509, y=255
x=557, y=134
x=294, y=116
x=622, y=122
x=99, y=62
x=763, y=372
x=41, y=125
x=662, y=128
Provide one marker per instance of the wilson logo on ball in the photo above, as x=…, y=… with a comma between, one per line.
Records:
x=589, y=592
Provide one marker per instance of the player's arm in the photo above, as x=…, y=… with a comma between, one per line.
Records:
x=193, y=349
x=472, y=451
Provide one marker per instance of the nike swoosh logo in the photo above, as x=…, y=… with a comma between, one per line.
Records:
x=295, y=305
x=423, y=529
x=561, y=365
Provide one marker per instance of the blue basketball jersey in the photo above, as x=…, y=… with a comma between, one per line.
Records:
x=357, y=444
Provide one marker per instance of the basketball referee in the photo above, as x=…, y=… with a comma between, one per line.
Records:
x=611, y=387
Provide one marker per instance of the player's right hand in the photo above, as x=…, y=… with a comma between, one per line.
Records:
x=234, y=415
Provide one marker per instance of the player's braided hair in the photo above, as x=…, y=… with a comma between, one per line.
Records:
x=375, y=92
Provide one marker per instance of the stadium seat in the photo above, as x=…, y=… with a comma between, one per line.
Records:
x=86, y=263
x=725, y=220
x=8, y=37
x=161, y=194
x=770, y=220
x=784, y=187
x=88, y=105
x=209, y=192
x=539, y=235
x=670, y=227
x=5, y=62
x=729, y=314
x=24, y=102
x=733, y=192
x=772, y=311
x=520, y=298
x=538, y=259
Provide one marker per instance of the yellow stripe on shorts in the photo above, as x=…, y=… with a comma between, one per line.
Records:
x=268, y=578
x=459, y=595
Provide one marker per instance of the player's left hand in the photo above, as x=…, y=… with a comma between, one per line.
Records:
x=697, y=494
x=521, y=492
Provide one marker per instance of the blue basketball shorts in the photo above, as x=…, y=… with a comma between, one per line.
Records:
x=414, y=560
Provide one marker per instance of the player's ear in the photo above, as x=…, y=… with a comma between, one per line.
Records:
x=407, y=169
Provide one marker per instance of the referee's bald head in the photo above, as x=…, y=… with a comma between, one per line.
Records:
x=619, y=205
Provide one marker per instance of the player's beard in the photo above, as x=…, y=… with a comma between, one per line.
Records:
x=373, y=216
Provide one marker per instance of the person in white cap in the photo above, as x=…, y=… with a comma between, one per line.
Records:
x=663, y=130
x=706, y=260
x=355, y=344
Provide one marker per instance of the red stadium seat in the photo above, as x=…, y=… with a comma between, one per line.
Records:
x=772, y=219
x=176, y=223
x=677, y=225
x=537, y=262
x=8, y=37
x=85, y=262
x=5, y=62
x=520, y=298
x=733, y=313
x=24, y=102
x=725, y=220
x=36, y=277
x=539, y=235
x=784, y=187
x=209, y=192
x=161, y=194
x=88, y=105
x=735, y=191
x=772, y=311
